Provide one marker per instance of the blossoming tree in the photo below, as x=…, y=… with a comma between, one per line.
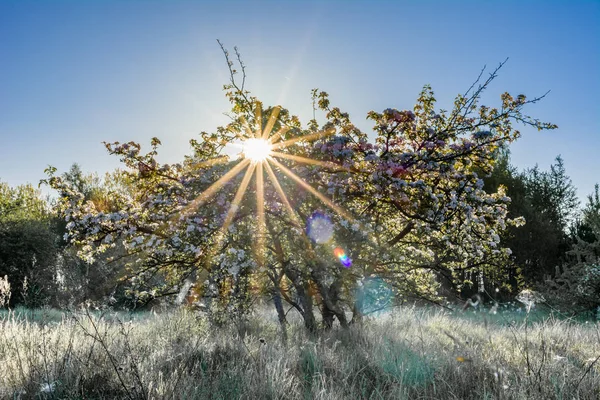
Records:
x=321, y=214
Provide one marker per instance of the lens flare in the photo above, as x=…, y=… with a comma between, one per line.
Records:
x=373, y=296
x=341, y=255
x=319, y=228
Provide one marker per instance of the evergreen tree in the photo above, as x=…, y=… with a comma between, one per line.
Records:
x=577, y=283
x=547, y=201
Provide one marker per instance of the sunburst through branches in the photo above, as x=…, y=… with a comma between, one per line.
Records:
x=258, y=153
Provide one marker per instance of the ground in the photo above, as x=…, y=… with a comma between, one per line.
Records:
x=407, y=353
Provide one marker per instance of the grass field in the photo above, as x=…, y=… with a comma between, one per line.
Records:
x=409, y=353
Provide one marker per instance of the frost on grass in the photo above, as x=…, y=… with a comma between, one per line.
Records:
x=408, y=353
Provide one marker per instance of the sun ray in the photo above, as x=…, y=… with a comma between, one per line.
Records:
x=232, y=211
x=313, y=136
x=209, y=163
x=327, y=164
x=258, y=118
x=313, y=191
x=239, y=195
x=290, y=210
x=271, y=122
x=246, y=126
x=282, y=195
x=260, y=212
x=278, y=134
x=212, y=189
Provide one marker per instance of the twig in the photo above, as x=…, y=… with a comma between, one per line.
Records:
x=587, y=371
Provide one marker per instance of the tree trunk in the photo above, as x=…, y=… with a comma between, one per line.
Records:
x=185, y=288
x=327, y=317
x=357, y=315
x=310, y=322
x=306, y=302
x=331, y=300
x=280, y=313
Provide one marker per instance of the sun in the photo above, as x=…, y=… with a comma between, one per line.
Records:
x=257, y=150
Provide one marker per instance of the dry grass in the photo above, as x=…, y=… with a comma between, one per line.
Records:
x=412, y=354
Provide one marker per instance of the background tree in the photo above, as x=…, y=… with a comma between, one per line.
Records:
x=576, y=283
x=548, y=202
x=28, y=246
x=98, y=281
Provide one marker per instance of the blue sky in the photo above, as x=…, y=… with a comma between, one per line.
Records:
x=76, y=73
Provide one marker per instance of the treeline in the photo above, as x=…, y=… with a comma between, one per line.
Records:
x=556, y=252
x=41, y=267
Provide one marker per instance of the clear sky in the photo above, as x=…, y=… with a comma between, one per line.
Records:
x=76, y=73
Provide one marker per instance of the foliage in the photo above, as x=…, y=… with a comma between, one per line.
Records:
x=547, y=201
x=28, y=245
x=577, y=282
x=98, y=281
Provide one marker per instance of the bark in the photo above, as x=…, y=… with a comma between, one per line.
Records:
x=277, y=292
x=280, y=313
x=310, y=322
x=185, y=288
x=306, y=301
x=328, y=316
x=330, y=300
x=402, y=234
x=357, y=315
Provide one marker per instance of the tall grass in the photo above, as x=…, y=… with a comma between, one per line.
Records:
x=410, y=353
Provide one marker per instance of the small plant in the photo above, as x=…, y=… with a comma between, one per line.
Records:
x=4, y=291
x=529, y=298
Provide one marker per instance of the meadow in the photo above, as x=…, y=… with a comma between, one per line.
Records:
x=407, y=353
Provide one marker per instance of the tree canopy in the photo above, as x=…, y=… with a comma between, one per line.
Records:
x=327, y=214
